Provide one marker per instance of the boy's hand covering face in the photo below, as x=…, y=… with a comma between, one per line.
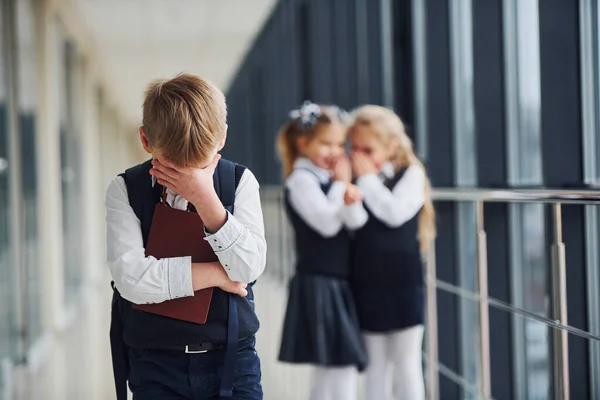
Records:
x=191, y=183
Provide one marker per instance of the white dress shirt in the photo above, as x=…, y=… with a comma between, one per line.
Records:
x=240, y=246
x=397, y=206
x=325, y=213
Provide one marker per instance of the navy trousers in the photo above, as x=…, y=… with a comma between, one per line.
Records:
x=174, y=375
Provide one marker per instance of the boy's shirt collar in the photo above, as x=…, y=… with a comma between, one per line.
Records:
x=173, y=199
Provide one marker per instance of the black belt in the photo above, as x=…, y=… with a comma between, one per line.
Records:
x=196, y=348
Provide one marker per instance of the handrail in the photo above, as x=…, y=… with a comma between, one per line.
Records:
x=565, y=196
x=510, y=195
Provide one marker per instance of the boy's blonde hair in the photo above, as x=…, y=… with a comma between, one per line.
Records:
x=184, y=118
x=389, y=129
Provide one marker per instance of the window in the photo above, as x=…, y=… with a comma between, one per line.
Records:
x=465, y=174
x=529, y=259
x=6, y=293
x=69, y=76
x=589, y=14
x=26, y=88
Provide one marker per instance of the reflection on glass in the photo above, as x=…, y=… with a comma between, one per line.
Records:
x=69, y=86
x=592, y=236
x=465, y=174
x=523, y=91
x=469, y=311
x=27, y=125
x=531, y=292
x=529, y=263
x=5, y=287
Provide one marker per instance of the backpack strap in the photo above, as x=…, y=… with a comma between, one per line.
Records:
x=226, y=180
x=227, y=177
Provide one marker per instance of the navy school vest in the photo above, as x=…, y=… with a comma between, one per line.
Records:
x=146, y=330
x=316, y=254
x=384, y=256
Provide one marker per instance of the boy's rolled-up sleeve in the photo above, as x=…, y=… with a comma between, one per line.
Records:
x=138, y=278
x=240, y=244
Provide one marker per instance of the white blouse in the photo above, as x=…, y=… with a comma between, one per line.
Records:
x=325, y=213
x=397, y=206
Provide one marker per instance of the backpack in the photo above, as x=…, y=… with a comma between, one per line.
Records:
x=226, y=179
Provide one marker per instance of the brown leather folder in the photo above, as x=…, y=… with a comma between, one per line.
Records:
x=177, y=233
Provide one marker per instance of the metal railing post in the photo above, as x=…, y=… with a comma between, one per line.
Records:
x=484, y=317
x=559, y=300
x=432, y=327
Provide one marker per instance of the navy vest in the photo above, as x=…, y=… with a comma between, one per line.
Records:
x=316, y=254
x=385, y=257
x=146, y=330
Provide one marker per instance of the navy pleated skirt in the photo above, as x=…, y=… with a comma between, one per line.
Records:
x=321, y=324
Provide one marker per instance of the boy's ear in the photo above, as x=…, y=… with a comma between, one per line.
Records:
x=145, y=141
x=223, y=140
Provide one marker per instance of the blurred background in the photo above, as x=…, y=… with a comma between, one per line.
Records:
x=502, y=100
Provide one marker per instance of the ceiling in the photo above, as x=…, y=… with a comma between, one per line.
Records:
x=142, y=40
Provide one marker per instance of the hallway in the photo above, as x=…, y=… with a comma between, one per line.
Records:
x=71, y=369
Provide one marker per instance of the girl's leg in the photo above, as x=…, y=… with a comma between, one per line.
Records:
x=377, y=382
x=405, y=353
x=319, y=389
x=344, y=383
x=329, y=383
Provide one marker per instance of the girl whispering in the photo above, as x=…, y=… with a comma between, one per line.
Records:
x=387, y=272
x=321, y=325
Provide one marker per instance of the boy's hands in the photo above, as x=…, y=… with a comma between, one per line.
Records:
x=352, y=194
x=196, y=186
x=227, y=285
x=363, y=165
x=212, y=274
x=235, y=288
x=191, y=183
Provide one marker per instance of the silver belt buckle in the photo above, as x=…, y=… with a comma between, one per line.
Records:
x=188, y=351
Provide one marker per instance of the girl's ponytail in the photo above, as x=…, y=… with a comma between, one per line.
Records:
x=288, y=149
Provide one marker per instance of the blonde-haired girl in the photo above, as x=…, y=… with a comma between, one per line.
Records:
x=321, y=325
x=387, y=273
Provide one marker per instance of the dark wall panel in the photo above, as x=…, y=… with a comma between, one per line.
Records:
x=439, y=109
x=498, y=258
x=304, y=56
x=403, y=63
x=448, y=304
x=489, y=93
x=322, y=48
x=345, y=74
x=561, y=106
x=374, y=42
x=573, y=227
